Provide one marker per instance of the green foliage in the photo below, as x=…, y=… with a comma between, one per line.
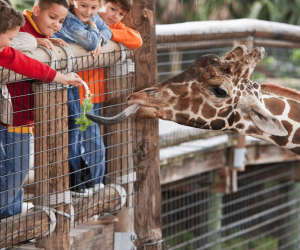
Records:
x=241, y=243
x=23, y=4
x=200, y=10
x=258, y=77
x=86, y=108
x=180, y=239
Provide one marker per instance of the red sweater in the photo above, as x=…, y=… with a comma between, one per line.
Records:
x=22, y=97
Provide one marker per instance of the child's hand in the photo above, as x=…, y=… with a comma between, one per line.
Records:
x=69, y=79
x=91, y=23
x=59, y=41
x=97, y=51
x=46, y=42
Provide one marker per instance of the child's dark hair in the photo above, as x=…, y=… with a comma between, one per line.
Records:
x=8, y=2
x=123, y=4
x=9, y=18
x=46, y=4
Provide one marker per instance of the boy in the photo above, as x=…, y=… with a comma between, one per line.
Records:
x=15, y=132
x=112, y=12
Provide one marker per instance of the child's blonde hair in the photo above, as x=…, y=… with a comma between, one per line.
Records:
x=9, y=18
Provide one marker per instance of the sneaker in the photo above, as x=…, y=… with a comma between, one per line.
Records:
x=96, y=188
x=82, y=192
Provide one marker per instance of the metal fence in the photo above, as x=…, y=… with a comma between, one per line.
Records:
x=263, y=214
x=52, y=174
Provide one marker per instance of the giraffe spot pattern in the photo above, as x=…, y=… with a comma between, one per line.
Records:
x=241, y=87
x=283, y=140
x=295, y=111
x=196, y=105
x=236, y=99
x=182, y=104
x=296, y=150
x=256, y=94
x=240, y=125
x=217, y=124
x=237, y=117
x=238, y=93
x=168, y=114
x=296, y=137
x=180, y=90
x=225, y=111
x=208, y=111
x=275, y=105
x=231, y=119
x=182, y=118
x=255, y=85
x=234, y=130
x=247, y=118
x=198, y=123
x=206, y=127
x=253, y=130
x=195, y=89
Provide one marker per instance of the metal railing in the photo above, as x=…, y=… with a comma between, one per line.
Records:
x=53, y=176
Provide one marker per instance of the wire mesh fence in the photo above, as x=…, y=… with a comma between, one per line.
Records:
x=263, y=214
x=55, y=177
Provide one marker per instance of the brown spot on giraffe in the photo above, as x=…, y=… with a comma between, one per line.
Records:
x=296, y=138
x=275, y=105
x=225, y=111
x=180, y=90
x=196, y=105
x=234, y=130
x=241, y=87
x=236, y=99
x=253, y=130
x=237, y=117
x=238, y=93
x=255, y=85
x=283, y=140
x=296, y=150
x=247, y=118
x=231, y=119
x=208, y=111
x=197, y=123
x=217, y=124
x=182, y=104
x=182, y=118
x=168, y=114
x=206, y=127
x=295, y=111
x=195, y=89
x=240, y=125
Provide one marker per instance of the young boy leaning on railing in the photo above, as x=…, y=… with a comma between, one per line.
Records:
x=16, y=111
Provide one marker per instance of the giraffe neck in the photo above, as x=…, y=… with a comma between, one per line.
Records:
x=287, y=111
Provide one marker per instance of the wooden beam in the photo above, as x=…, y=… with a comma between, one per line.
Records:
x=31, y=224
x=147, y=215
x=84, y=60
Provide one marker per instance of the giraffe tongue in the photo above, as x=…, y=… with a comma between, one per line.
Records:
x=130, y=111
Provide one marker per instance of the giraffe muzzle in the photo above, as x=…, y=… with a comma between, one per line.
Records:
x=128, y=112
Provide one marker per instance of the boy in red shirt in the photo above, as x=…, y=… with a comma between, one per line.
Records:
x=16, y=131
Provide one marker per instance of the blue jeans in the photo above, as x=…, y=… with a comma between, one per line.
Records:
x=14, y=163
x=86, y=149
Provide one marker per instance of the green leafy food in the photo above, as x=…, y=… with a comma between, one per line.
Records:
x=86, y=107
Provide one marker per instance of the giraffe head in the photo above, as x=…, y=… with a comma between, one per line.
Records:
x=213, y=93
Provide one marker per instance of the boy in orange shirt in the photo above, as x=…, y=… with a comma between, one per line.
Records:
x=112, y=12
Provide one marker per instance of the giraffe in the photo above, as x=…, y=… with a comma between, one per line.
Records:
x=217, y=94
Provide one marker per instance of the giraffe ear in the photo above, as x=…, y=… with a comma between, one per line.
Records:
x=266, y=122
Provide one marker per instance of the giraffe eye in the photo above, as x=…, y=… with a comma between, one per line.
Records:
x=221, y=93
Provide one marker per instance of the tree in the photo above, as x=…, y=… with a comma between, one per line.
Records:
x=23, y=4
x=200, y=10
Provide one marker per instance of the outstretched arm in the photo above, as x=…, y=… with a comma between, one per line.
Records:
x=15, y=61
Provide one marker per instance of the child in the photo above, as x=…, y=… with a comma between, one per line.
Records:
x=15, y=133
x=112, y=13
x=86, y=150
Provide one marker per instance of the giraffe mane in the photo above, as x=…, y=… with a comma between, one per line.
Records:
x=277, y=90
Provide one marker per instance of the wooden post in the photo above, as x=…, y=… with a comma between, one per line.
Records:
x=147, y=215
x=51, y=160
